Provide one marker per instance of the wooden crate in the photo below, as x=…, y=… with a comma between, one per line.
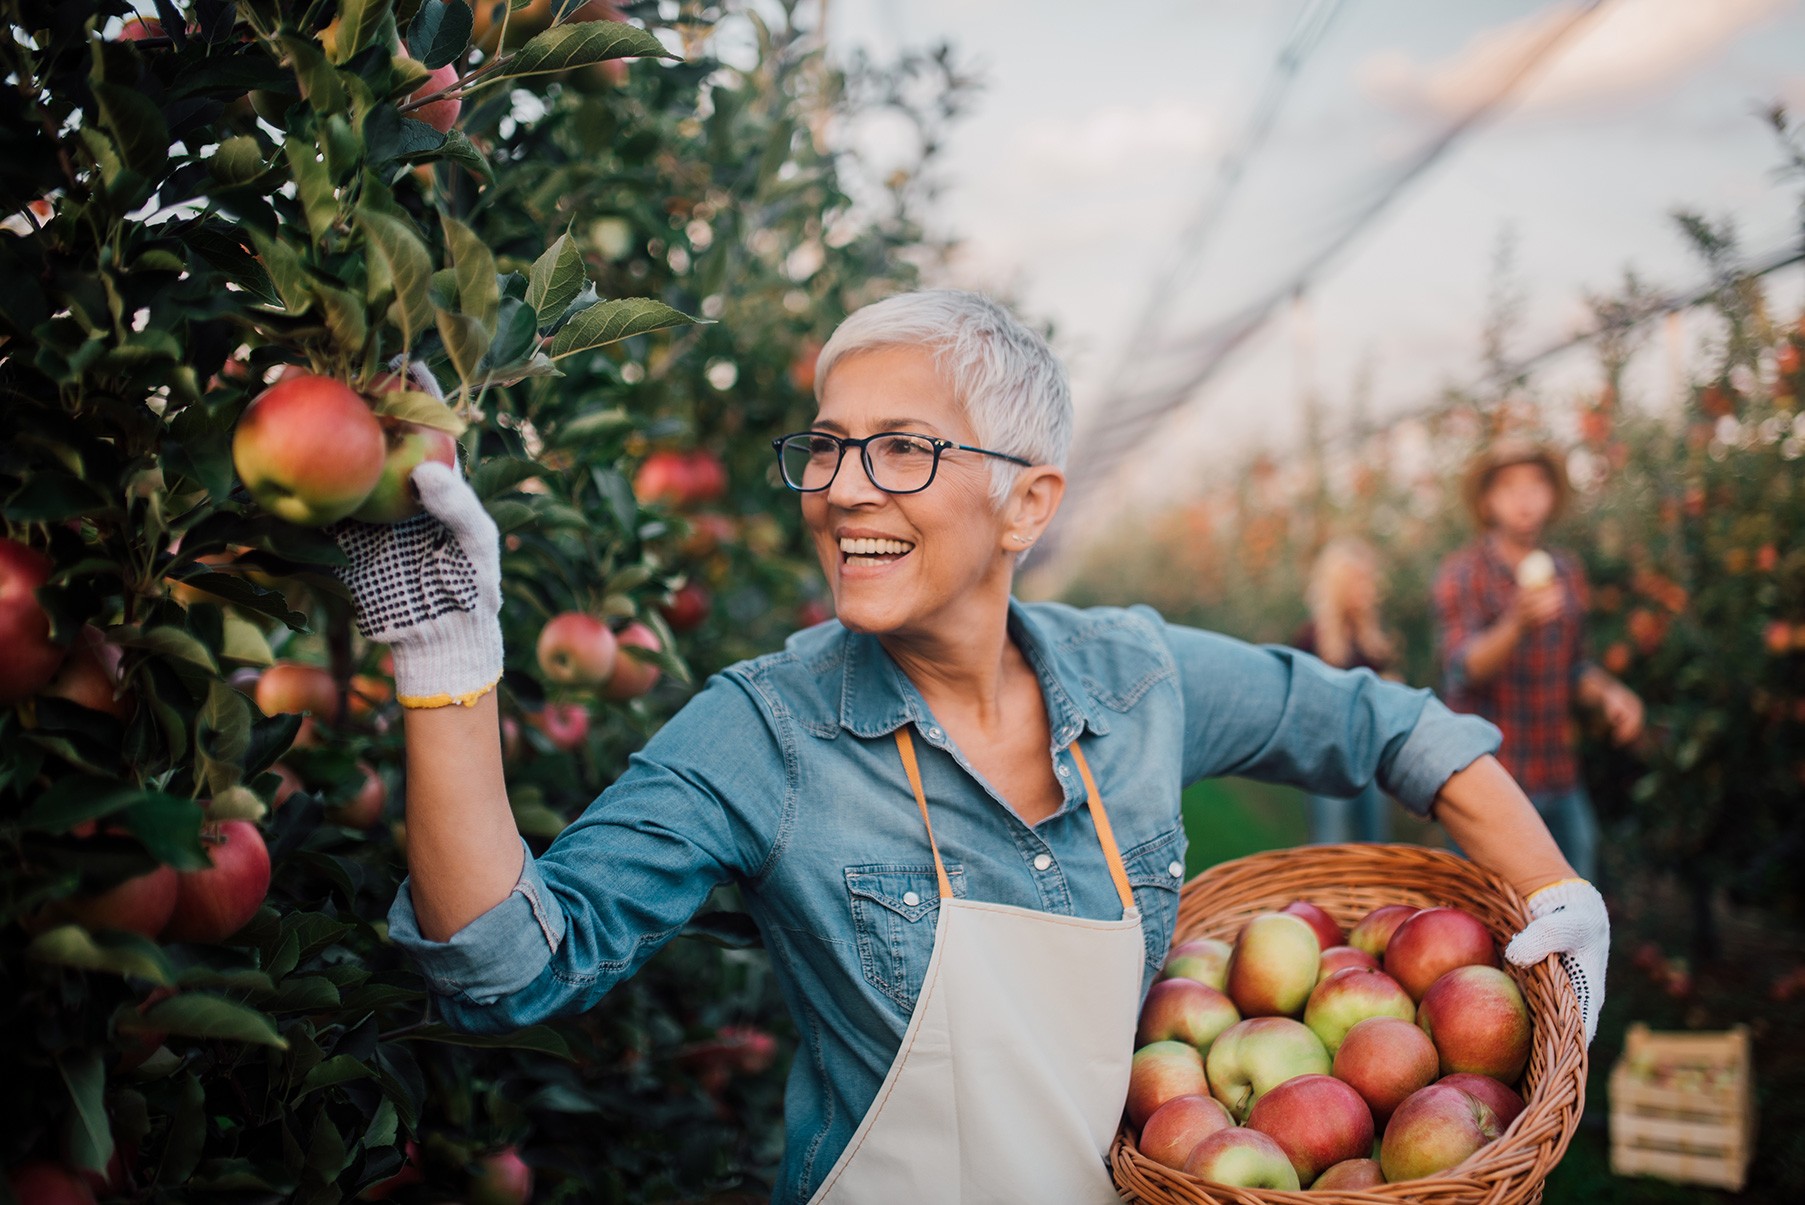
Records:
x=1683, y=1107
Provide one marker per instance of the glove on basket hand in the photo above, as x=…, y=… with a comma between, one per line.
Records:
x=1568, y=918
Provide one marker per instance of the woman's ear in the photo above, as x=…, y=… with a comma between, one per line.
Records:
x=1033, y=501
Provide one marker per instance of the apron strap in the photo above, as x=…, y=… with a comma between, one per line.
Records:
x=1106, y=836
x=906, y=745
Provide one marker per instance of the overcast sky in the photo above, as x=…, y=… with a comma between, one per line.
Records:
x=1102, y=128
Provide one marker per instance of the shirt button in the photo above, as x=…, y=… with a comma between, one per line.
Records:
x=911, y=899
x=1042, y=861
x=1064, y=772
x=933, y=734
x=1176, y=870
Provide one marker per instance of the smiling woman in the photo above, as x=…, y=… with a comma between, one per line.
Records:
x=954, y=817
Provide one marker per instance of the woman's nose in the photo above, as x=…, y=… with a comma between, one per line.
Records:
x=852, y=485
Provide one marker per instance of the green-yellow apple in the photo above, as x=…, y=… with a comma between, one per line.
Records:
x=1339, y=958
x=1432, y=1131
x=1273, y=968
x=1160, y=1072
x=1374, y=930
x=633, y=677
x=1317, y=1120
x=1350, y=1175
x=215, y=903
x=1242, y=1158
x=1254, y=1056
x=1176, y=1127
x=1328, y=933
x=1350, y=996
x=29, y=659
x=1385, y=1060
x=1478, y=1021
x=407, y=446
x=1434, y=941
x=1500, y=1098
x=1204, y=959
x=309, y=450
x=1186, y=1011
x=577, y=650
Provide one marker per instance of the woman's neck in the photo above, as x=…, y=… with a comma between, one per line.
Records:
x=961, y=662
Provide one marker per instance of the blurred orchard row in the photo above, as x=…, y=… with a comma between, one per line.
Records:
x=616, y=236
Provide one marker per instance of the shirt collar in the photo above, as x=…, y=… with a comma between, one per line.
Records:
x=877, y=698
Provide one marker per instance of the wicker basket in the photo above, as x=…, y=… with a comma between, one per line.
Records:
x=1350, y=881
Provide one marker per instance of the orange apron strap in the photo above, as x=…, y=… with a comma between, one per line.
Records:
x=1105, y=835
x=906, y=745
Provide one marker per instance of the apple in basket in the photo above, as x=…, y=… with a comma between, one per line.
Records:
x=1242, y=1158
x=1273, y=968
x=1502, y=1099
x=1433, y=1130
x=1350, y=1175
x=1328, y=933
x=1350, y=996
x=1385, y=1060
x=1340, y=958
x=1186, y=1011
x=1479, y=1022
x=1433, y=942
x=1317, y=1120
x=1373, y=931
x=1159, y=1072
x=1205, y=959
x=1252, y=1057
x=1176, y=1127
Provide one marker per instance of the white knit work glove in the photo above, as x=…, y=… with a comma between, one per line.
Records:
x=429, y=587
x=1568, y=918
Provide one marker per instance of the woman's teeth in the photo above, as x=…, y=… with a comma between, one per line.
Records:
x=870, y=550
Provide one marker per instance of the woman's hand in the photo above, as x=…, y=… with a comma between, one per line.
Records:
x=1569, y=920
x=430, y=588
x=1537, y=606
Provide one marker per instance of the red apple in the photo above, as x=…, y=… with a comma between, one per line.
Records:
x=707, y=478
x=1385, y=1060
x=410, y=1173
x=1432, y=1131
x=565, y=725
x=663, y=478
x=1339, y=958
x=90, y=675
x=510, y=738
x=1204, y=959
x=1186, y=1011
x=1317, y=1120
x=708, y=532
x=1374, y=930
x=1273, y=968
x=1160, y=1072
x=1242, y=1158
x=633, y=677
x=368, y=695
x=1252, y=1057
x=28, y=658
x=687, y=609
x=141, y=29
x=1350, y=1175
x=288, y=687
x=291, y=782
x=577, y=650
x=802, y=366
x=406, y=446
x=442, y=114
x=215, y=903
x=501, y=1178
x=309, y=450
x=41, y=1182
x=1498, y=1097
x=1176, y=1127
x=1328, y=933
x=141, y=904
x=1478, y=1021
x=1433, y=942
x=364, y=809
x=1350, y=996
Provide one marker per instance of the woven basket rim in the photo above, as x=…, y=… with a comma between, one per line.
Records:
x=1347, y=879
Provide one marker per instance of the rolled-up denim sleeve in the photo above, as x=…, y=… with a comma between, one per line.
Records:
x=1279, y=715
x=698, y=807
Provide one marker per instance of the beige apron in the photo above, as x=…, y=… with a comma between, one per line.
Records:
x=1014, y=1068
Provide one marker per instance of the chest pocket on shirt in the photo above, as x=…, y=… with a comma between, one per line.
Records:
x=1151, y=874
x=894, y=912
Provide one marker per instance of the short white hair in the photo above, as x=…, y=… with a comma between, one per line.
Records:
x=1011, y=385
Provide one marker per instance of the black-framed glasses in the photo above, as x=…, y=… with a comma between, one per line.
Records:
x=898, y=462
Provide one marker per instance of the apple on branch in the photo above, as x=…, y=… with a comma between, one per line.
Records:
x=29, y=659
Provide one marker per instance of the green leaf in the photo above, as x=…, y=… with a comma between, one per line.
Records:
x=170, y=829
x=313, y=185
x=169, y=643
x=286, y=272
x=136, y=125
x=90, y=1134
x=345, y=317
x=456, y=147
x=608, y=322
x=538, y=365
x=501, y=472
x=304, y=993
x=516, y=333
x=200, y=1015
x=243, y=592
x=114, y=951
x=478, y=292
x=222, y=735
x=592, y=424
x=409, y=269
x=413, y=406
x=439, y=31
x=237, y=161
x=541, y=1038
x=556, y=279
x=319, y=80
x=466, y=341
x=339, y=1069
x=358, y=23
x=69, y=801
x=187, y=1133
x=577, y=45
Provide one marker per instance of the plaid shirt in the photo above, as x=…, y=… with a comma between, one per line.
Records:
x=1531, y=697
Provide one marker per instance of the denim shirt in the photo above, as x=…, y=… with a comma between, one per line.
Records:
x=782, y=775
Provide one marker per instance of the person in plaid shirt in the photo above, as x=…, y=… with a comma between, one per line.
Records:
x=1512, y=641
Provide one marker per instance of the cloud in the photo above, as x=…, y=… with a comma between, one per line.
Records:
x=1115, y=139
x=1628, y=48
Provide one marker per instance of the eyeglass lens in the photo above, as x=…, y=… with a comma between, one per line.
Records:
x=898, y=463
